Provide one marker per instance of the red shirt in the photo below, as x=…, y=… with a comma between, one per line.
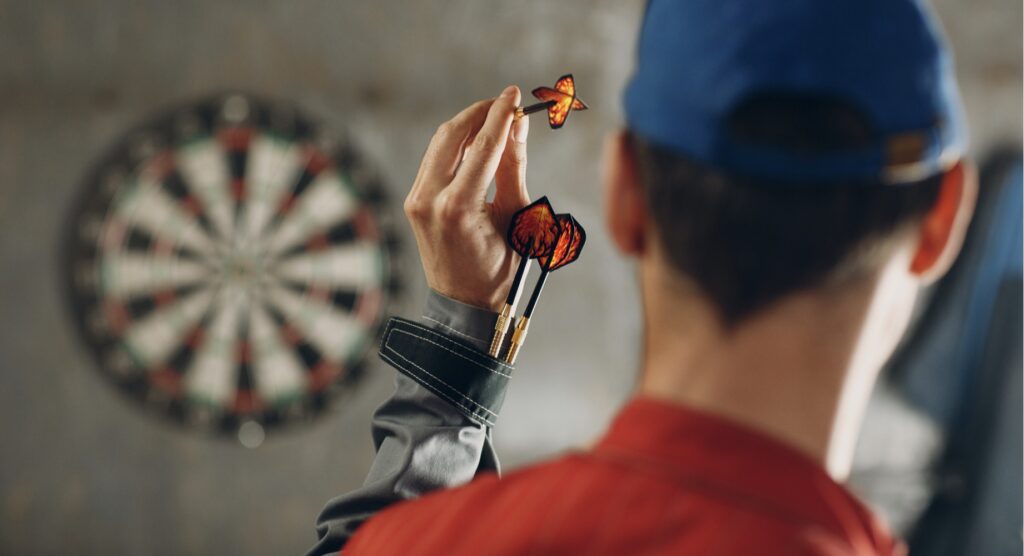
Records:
x=664, y=480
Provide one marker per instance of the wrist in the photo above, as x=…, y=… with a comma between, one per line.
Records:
x=489, y=302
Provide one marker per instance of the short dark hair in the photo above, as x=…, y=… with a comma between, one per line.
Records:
x=747, y=243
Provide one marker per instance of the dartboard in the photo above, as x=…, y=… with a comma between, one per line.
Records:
x=229, y=263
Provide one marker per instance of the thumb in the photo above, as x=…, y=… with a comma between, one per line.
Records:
x=510, y=192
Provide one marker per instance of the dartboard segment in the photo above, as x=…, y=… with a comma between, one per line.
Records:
x=275, y=165
x=230, y=263
x=328, y=201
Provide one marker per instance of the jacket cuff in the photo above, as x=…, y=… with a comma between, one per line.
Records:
x=467, y=323
x=469, y=379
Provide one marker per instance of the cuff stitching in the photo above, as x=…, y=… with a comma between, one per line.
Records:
x=453, y=330
x=387, y=346
x=481, y=362
x=426, y=384
x=453, y=352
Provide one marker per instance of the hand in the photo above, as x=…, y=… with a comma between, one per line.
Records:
x=461, y=236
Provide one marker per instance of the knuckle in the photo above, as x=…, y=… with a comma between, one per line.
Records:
x=519, y=156
x=415, y=209
x=486, y=142
x=444, y=130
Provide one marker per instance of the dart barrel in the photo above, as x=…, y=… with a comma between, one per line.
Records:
x=518, y=339
x=500, y=329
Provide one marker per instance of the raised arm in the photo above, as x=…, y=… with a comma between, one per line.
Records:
x=434, y=431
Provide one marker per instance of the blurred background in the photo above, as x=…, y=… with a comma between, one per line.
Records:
x=85, y=468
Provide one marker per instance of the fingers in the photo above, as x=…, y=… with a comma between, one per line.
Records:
x=481, y=161
x=442, y=158
x=510, y=192
x=448, y=144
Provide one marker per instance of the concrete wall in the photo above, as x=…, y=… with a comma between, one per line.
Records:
x=83, y=470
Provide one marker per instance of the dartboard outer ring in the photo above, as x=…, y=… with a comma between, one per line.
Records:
x=269, y=322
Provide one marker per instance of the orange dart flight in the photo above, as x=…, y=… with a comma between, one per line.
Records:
x=570, y=243
x=561, y=100
x=534, y=230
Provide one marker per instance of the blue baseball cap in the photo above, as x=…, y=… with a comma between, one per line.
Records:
x=700, y=61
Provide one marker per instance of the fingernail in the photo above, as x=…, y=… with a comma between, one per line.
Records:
x=520, y=129
x=509, y=91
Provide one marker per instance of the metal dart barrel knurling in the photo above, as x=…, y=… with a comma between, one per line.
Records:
x=518, y=339
x=500, y=329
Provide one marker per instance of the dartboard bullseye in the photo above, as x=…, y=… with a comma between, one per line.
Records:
x=229, y=264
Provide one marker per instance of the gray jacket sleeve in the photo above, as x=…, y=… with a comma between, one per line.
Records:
x=435, y=430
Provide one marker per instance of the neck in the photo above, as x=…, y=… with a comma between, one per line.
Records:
x=791, y=371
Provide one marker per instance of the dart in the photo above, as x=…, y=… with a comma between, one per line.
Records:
x=558, y=101
x=532, y=233
x=571, y=238
x=527, y=110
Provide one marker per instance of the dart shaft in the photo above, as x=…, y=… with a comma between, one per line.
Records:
x=517, y=282
x=523, y=324
x=526, y=110
x=505, y=316
x=536, y=294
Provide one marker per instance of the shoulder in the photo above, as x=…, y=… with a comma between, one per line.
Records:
x=486, y=512
x=581, y=504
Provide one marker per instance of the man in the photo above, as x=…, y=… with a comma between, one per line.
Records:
x=791, y=173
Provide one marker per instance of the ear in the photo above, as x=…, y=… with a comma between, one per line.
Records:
x=624, y=202
x=943, y=229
